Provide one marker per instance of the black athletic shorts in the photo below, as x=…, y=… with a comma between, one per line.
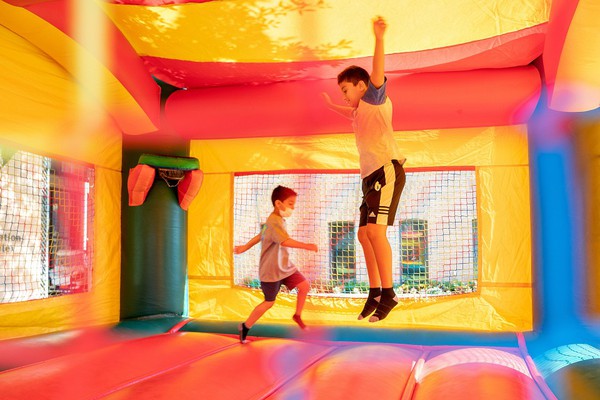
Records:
x=381, y=194
x=270, y=289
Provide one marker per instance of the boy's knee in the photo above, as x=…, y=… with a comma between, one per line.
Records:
x=362, y=235
x=268, y=304
x=303, y=287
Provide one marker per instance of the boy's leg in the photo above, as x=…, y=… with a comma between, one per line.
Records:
x=303, y=289
x=373, y=272
x=370, y=259
x=258, y=312
x=270, y=290
x=383, y=254
x=385, y=203
x=297, y=280
x=255, y=315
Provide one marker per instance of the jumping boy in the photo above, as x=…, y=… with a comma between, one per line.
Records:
x=275, y=269
x=381, y=171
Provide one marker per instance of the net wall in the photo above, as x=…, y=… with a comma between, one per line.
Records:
x=434, y=238
x=46, y=220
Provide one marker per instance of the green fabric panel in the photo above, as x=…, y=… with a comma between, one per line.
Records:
x=359, y=334
x=148, y=326
x=154, y=246
x=162, y=161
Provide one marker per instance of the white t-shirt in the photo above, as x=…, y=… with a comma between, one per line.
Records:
x=373, y=131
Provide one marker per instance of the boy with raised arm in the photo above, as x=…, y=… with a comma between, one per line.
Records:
x=381, y=170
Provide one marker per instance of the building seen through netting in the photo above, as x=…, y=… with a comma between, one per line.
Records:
x=46, y=221
x=434, y=237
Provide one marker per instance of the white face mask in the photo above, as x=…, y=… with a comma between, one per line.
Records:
x=286, y=213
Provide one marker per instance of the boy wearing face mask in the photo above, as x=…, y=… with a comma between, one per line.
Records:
x=275, y=269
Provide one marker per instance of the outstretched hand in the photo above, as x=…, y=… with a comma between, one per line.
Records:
x=379, y=27
x=326, y=97
x=239, y=249
x=312, y=247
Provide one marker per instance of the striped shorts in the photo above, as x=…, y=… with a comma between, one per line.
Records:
x=381, y=194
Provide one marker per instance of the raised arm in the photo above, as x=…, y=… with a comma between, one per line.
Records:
x=247, y=246
x=345, y=111
x=378, y=72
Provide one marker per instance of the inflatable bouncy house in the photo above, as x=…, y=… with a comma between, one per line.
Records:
x=140, y=141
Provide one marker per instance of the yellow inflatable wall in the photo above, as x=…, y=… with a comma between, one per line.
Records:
x=44, y=111
x=500, y=156
x=587, y=142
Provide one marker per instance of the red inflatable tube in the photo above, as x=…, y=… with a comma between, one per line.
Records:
x=435, y=100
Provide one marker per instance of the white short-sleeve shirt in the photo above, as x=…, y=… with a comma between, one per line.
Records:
x=373, y=131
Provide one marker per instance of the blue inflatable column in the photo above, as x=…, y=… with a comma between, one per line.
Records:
x=557, y=224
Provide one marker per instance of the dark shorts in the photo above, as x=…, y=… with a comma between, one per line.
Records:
x=270, y=289
x=381, y=194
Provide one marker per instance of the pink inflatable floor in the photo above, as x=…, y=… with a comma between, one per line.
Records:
x=194, y=365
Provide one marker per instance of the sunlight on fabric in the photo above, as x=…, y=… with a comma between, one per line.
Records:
x=577, y=85
x=474, y=356
x=288, y=30
x=89, y=30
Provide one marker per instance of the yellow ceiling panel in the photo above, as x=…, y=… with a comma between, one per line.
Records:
x=292, y=30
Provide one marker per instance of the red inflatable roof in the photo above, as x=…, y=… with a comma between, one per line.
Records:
x=257, y=68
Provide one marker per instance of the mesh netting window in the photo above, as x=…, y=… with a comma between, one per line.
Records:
x=434, y=238
x=46, y=220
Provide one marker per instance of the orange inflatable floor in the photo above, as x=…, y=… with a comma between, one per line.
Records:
x=197, y=365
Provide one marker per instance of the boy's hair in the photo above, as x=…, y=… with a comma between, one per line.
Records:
x=353, y=74
x=282, y=193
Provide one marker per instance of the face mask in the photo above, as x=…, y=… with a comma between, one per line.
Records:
x=286, y=213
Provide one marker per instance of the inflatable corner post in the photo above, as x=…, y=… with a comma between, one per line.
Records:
x=154, y=260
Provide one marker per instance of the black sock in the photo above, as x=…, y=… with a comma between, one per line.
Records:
x=371, y=303
x=388, y=293
x=374, y=292
x=387, y=303
x=243, y=332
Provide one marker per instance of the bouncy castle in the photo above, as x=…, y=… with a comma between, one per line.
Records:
x=140, y=141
